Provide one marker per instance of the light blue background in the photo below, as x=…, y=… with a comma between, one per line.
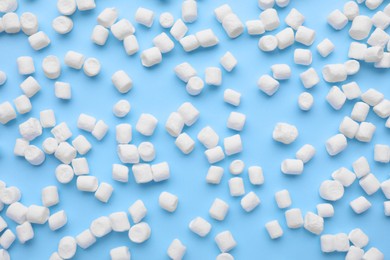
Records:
x=159, y=92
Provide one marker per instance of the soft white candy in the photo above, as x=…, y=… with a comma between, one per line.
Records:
x=191, y=43
x=268, y=43
x=232, y=144
x=174, y=124
x=336, y=98
x=274, y=229
x=313, y=223
x=360, y=111
x=160, y=171
x=381, y=20
x=8, y=6
x=30, y=87
x=146, y=151
x=20, y=146
x=256, y=175
x=87, y=183
x=137, y=211
x=285, y=38
x=372, y=97
x=120, y=172
x=270, y=19
x=139, y=233
x=146, y=124
x=100, y=130
x=189, y=113
x=305, y=35
x=365, y=132
x=360, y=205
x=255, y=27
x=228, y=61
x=354, y=253
x=61, y=132
x=325, y=210
x=232, y=25
x=337, y=19
x=10, y=195
x=85, y=5
x=344, y=176
x=166, y=20
x=358, y=238
x=200, y=226
x=11, y=23
x=64, y=173
x=74, y=59
x=357, y=50
x=282, y=3
x=25, y=65
x=232, y=97
x=37, y=214
x=128, y=153
x=100, y=226
x=384, y=63
x=305, y=153
x=250, y=201
x=294, y=19
x=99, y=35
x=302, y=57
x=236, y=186
x=294, y=218
x=34, y=155
x=214, y=174
x=91, y=67
x=185, y=71
x=22, y=104
x=385, y=186
x=130, y=44
x=236, y=121
x=189, y=11
x=225, y=241
x=104, y=192
x=80, y=166
x=325, y=47
x=62, y=24
x=265, y=4
x=122, y=81
x=309, y=78
x=7, y=239
x=360, y=28
x=122, y=29
x=185, y=143
x=119, y=221
x=38, y=40
x=62, y=90
x=168, y=201
x=50, y=196
x=85, y=239
x=24, y=232
x=67, y=247
x=213, y=76
x=281, y=71
x=268, y=85
x=214, y=154
x=373, y=253
x=219, y=209
x=142, y=173
x=30, y=129
x=285, y=133
x=144, y=16
x=3, y=77
x=66, y=7
x=382, y=109
x=7, y=112
x=121, y=108
x=107, y=17
x=292, y=166
x=331, y=190
x=81, y=144
x=178, y=30
x=378, y=38
x=305, y=101
x=151, y=57
x=283, y=199
x=373, y=54
x=120, y=253
x=163, y=42
x=17, y=212
x=351, y=90
x=4, y=254
x=194, y=86
x=351, y=10
x=348, y=127
x=51, y=66
x=361, y=167
x=236, y=167
x=373, y=4
x=382, y=153
x=221, y=11
x=370, y=184
x=334, y=73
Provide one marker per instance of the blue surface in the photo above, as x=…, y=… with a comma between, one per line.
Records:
x=159, y=92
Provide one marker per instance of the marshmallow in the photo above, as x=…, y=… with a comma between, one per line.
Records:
x=325, y=210
x=10, y=195
x=372, y=97
x=9, y=6
x=213, y=76
x=274, y=229
x=81, y=144
x=373, y=4
x=305, y=35
x=360, y=205
x=194, y=86
x=382, y=109
x=256, y=175
x=361, y=167
x=354, y=253
x=104, y=192
x=373, y=252
x=265, y=4
x=91, y=67
x=130, y=44
x=236, y=167
x=219, y=209
x=151, y=57
x=85, y=239
x=281, y=71
x=292, y=166
x=305, y=153
x=62, y=24
x=168, y=201
x=189, y=11
x=100, y=226
x=222, y=11
x=351, y=90
x=200, y=226
x=119, y=221
x=107, y=17
x=382, y=153
x=381, y=20
x=30, y=87
x=344, y=176
x=122, y=81
x=24, y=232
x=121, y=108
x=87, y=183
x=358, y=238
x=285, y=38
x=285, y=133
x=334, y=73
x=337, y=19
x=120, y=253
x=214, y=154
x=232, y=144
x=3, y=77
x=7, y=239
x=139, y=233
x=214, y=175
x=7, y=112
x=37, y=214
x=17, y=212
x=331, y=190
x=336, y=98
x=50, y=196
x=313, y=223
x=250, y=201
x=166, y=20
x=294, y=19
x=378, y=38
x=66, y=7
x=174, y=124
x=232, y=97
x=146, y=124
x=163, y=42
x=270, y=19
x=373, y=54
x=160, y=171
x=365, y=132
x=25, y=65
x=61, y=132
x=146, y=151
x=64, y=173
x=360, y=28
x=386, y=206
x=360, y=111
x=302, y=57
x=236, y=121
x=268, y=85
x=185, y=143
x=309, y=78
x=228, y=61
x=80, y=166
x=51, y=67
x=191, y=43
x=325, y=47
x=67, y=247
x=385, y=186
x=144, y=16
x=283, y=199
x=120, y=173
x=225, y=241
x=185, y=71
x=99, y=35
x=85, y=5
x=4, y=254
x=38, y=40
x=128, y=153
x=189, y=113
x=142, y=173
x=348, y=127
x=357, y=50
x=22, y=104
x=384, y=63
x=236, y=186
x=370, y=184
x=294, y=218
x=122, y=29
x=178, y=30
x=137, y=211
x=268, y=43
x=351, y=10
x=100, y=130
x=74, y=59
x=20, y=146
x=30, y=129
x=11, y=23
x=282, y=3
x=232, y=25
x=62, y=90
x=255, y=27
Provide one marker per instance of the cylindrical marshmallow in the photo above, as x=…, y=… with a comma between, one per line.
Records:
x=151, y=57
x=139, y=233
x=194, y=86
x=38, y=40
x=62, y=24
x=51, y=67
x=336, y=144
x=100, y=226
x=200, y=226
x=66, y=7
x=87, y=183
x=34, y=155
x=50, y=196
x=331, y=190
x=166, y=20
x=232, y=25
x=361, y=27
x=168, y=201
x=107, y=17
x=99, y=35
x=144, y=16
x=122, y=29
x=91, y=67
x=57, y=220
x=189, y=11
x=67, y=247
x=37, y=214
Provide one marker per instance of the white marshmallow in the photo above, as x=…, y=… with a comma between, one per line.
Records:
x=38, y=40
x=99, y=35
x=62, y=90
x=305, y=101
x=250, y=201
x=30, y=86
x=372, y=97
x=194, y=86
x=228, y=61
x=373, y=4
x=100, y=226
x=236, y=121
x=360, y=28
x=139, y=233
x=373, y=54
x=331, y=190
x=232, y=25
x=378, y=38
x=122, y=81
x=74, y=59
x=282, y=3
x=214, y=175
x=292, y=166
x=91, y=67
x=85, y=5
x=25, y=65
x=373, y=253
x=294, y=19
x=142, y=173
x=62, y=24
x=178, y=30
x=200, y=226
x=236, y=167
x=348, y=127
x=11, y=22
x=163, y=42
x=66, y=7
x=64, y=173
x=285, y=38
x=189, y=11
x=256, y=176
x=285, y=133
x=336, y=98
x=122, y=29
x=67, y=247
x=381, y=20
x=160, y=171
x=137, y=211
x=274, y=229
x=305, y=35
x=50, y=196
x=174, y=124
x=9, y=6
x=10, y=195
x=270, y=19
x=365, y=132
x=382, y=109
x=351, y=90
x=225, y=241
x=144, y=16
x=37, y=214
x=386, y=206
x=100, y=130
x=7, y=239
x=281, y=71
x=121, y=108
x=213, y=76
x=302, y=57
x=309, y=78
x=189, y=113
x=232, y=144
x=385, y=186
x=313, y=223
x=384, y=63
x=357, y=50
x=81, y=144
x=87, y=183
x=325, y=210
x=358, y=238
x=168, y=201
x=107, y=17
x=219, y=209
x=7, y=112
x=255, y=27
x=190, y=43
x=265, y=4
x=361, y=167
x=85, y=239
x=120, y=253
x=221, y=11
x=120, y=173
x=146, y=151
x=80, y=166
x=268, y=85
x=305, y=153
x=185, y=143
x=351, y=10
x=360, y=205
x=184, y=71
x=344, y=176
x=130, y=44
x=30, y=129
x=151, y=57
x=232, y=97
x=119, y=221
x=382, y=153
x=325, y=47
x=4, y=254
x=104, y=192
x=166, y=20
x=360, y=111
x=3, y=76
x=34, y=155
x=337, y=19
x=334, y=73
x=20, y=146
x=146, y=124
x=354, y=253
x=128, y=153
x=370, y=184
x=61, y=132
x=236, y=186
x=214, y=154
x=294, y=218
x=22, y=104
x=268, y=43
x=283, y=199
x=17, y=212
x=24, y=232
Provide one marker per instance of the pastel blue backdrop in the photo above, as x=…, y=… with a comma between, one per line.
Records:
x=157, y=91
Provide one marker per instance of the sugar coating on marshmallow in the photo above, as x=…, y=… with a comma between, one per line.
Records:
x=331, y=190
x=47, y=118
x=225, y=241
x=67, y=247
x=91, y=67
x=236, y=167
x=382, y=153
x=351, y=90
x=274, y=229
x=361, y=167
x=66, y=7
x=189, y=11
x=128, y=153
x=174, y=124
x=74, y=59
x=61, y=132
x=17, y=212
x=144, y=16
x=120, y=173
x=256, y=176
x=151, y=57
x=357, y=50
x=189, y=113
x=372, y=97
x=11, y=23
x=24, y=232
x=334, y=73
x=360, y=111
x=100, y=226
x=236, y=186
x=30, y=86
x=50, y=196
x=351, y=10
x=140, y=232
x=104, y=192
x=382, y=109
x=37, y=214
x=292, y=166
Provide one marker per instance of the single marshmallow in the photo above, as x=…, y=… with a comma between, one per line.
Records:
x=357, y=50
x=185, y=143
x=221, y=11
x=292, y=166
x=228, y=61
x=294, y=19
x=80, y=166
x=99, y=35
x=137, y=211
x=336, y=98
x=331, y=190
x=236, y=167
x=119, y=221
x=100, y=226
x=191, y=43
x=189, y=11
x=47, y=118
x=354, y=252
x=104, y=192
x=225, y=241
x=268, y=43
x=87, y=183
x=382, y=153
x=382, y=109
x=373, y=252
x=384, y=63
x=168, y=201
x=381, y=20
x=189, y=113
x=313, y=223
x=7, y=239
x=160, y=171
x=232, y=25
x=50, y=196
x=351, y=10
x=66, y=7
x=385, y=186
x=361, y=167
x=140, y=232
x=305, y=35
x=294, y=218
x=142, y=173
x=309, y=78
x=85, y=239
x=236, y=121
x=74, y=59
x=232, y=144
x=178, y=30
x=194, y=86
x=274, y=229
x=120, y=253
x=30, y=129
x=100, y=130
x=348, y=127
x=37, y=214
x=30, y=87
x=256, y=176
x=360, y=111
x=281, y=71
x=232, y=97
x=219, y=209
x=174, y=124
x=282, y=3
x=146, y=151
x=38, y=40
x=130, y=44
x=270, y=19
x=3, y=78
x=63, y=90
x=378, y=38
x=11, y=23
x=214, y=175
x=365, y=132
x=144, y=16
x=120, y=172
x=305, y=153
x=325, y=47
x=81, y=144
x=107, y=17
x=255, y=27
x=22, y=104
x=370, y=184
x=250, y=201
x=61, y=132
x=360, y=28
x=122, y=81
x=67, y=247
x=24, y=232
x=25, y=65
x=358, y=238
x=62, y=24
x=214, y=154
x=7, y=112
x=285, y=38
x=10, y=195
x=51, y=67
x=283, y=199
x=372, y=97
x=163, y=43
x=373, y=54
x=337, y=19
x=64, y=173
x=285, y=133
x=236, y=186
x=213, y=76
x=185, y=71
x=334, y=73
x=34, y=155
x=305, y=101
x=344, y=176
x=9, y=6
x=17, y=212
x=302, y=57
x=20, y=146
x=360, y=205
x=85, y=5
x=146, y=124
x=91, y=67
x=121, y=108
x=122, y=29
x=151, y=57
x=373, y=4
x=268, y=85
x=128, y=153
x=200, y=226
x=166, y=20
x=325, y=210
x=351, y=90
